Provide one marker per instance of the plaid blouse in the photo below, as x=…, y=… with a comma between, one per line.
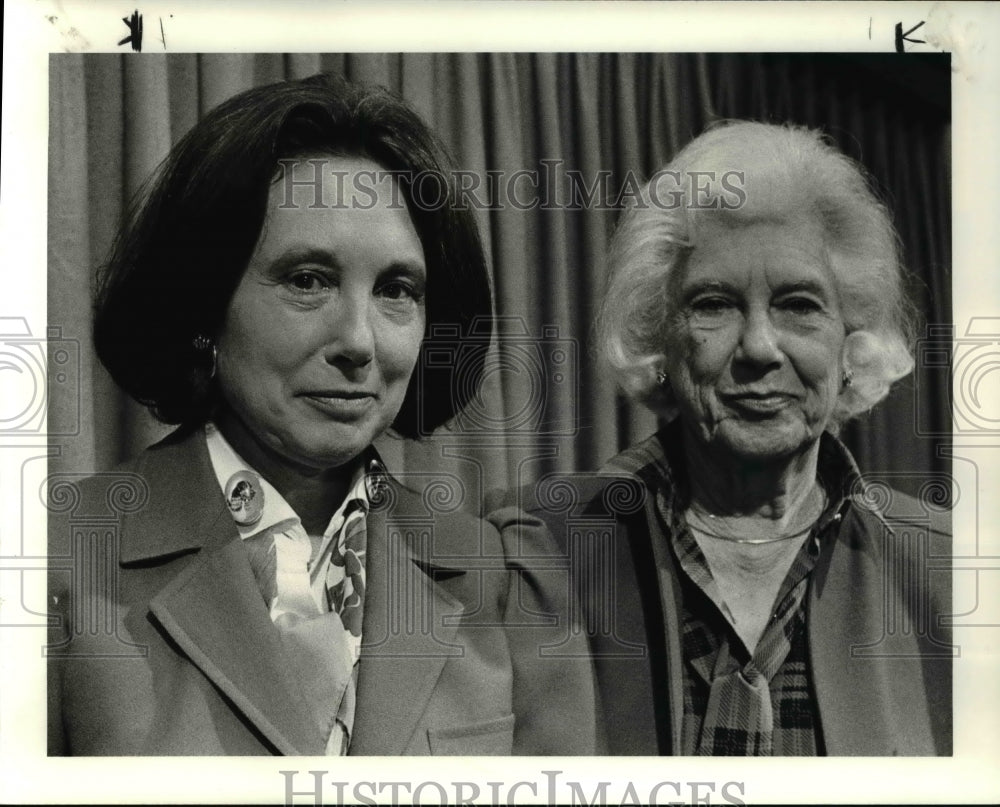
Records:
x=738, y=703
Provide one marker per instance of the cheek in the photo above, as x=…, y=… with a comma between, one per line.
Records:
x=706, y=355
x=259, y=334
x=694, y=373
x=819, y=365
x=399, y=348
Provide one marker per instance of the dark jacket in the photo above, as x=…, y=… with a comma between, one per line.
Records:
x=879, y=654
x=161, y=642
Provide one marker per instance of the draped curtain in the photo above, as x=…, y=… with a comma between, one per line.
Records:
x=546, y=404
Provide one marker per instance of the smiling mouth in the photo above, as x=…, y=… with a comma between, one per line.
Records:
x=759, y=403
x=338, y=394
x=346, y=403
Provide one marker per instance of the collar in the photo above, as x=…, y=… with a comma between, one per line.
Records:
x=366, y=482
x=658, y=462
x=182, y=510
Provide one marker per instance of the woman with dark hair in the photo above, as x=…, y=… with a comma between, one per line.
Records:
x=274, y=588
x=744, y=590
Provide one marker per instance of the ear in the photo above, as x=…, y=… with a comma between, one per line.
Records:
x=873, y=361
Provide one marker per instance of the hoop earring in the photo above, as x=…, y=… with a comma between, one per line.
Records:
x=202, y=343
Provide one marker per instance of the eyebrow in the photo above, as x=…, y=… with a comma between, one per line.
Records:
x=293, y=256
x=296, y=255
x=704, y=286
x=810, y=286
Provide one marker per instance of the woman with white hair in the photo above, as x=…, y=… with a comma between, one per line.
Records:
x=751, y=596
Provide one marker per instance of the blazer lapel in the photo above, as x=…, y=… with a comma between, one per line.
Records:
x=868, y=679
x=409, y=629
x=212, y=608
x=670, y=601
x=635, y=655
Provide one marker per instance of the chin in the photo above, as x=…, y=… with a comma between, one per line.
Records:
x=324, y=451
x=763, y=443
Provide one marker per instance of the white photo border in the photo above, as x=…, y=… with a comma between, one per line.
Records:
x=970, y=31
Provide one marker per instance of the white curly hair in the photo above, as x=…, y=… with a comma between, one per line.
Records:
x=745, y=172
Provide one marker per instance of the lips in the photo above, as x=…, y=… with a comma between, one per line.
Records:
x=345, y=394
x=759, y=402
x=340, y=403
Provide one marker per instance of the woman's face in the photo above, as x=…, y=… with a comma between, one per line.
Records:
x=756, y=336
x=322, y=333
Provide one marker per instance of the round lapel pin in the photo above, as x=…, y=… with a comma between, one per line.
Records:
x=245, y=498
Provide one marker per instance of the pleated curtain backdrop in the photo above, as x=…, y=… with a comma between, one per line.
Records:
x=546, y=403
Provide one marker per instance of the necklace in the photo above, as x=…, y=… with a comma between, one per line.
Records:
x=708, y=524
x=734, y=539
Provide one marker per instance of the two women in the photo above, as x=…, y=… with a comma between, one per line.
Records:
x=274, y=589
x=273, y=297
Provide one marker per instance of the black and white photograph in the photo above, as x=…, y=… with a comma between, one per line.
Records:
x=555, y=407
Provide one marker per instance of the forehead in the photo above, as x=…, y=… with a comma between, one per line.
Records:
x=348, y=206
x=779, y=251
x=332, y=181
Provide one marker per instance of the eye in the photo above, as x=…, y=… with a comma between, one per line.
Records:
x=711, y=305
x=800, y=305
x=395, y=290
x=308, y=281
x=400, y=290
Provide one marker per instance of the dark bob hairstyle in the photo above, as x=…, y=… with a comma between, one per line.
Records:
x=186, y=243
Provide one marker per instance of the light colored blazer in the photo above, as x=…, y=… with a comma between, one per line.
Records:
x=161, y=642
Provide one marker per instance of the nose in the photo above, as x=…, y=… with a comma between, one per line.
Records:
x=758, y=343
x=352, y=337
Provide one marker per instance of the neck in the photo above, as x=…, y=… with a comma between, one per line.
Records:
x=313, y=493
x=773, y=490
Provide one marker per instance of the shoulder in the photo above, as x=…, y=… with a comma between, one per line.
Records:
x=437, y=508
x=127, y=486
x=162, y=501
x=908, y=538
x=610, y=491
x=892, y=512
x=93, y=498
x=90, y=517
x=539, y=518
x=176, y=461
x=559, y=503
